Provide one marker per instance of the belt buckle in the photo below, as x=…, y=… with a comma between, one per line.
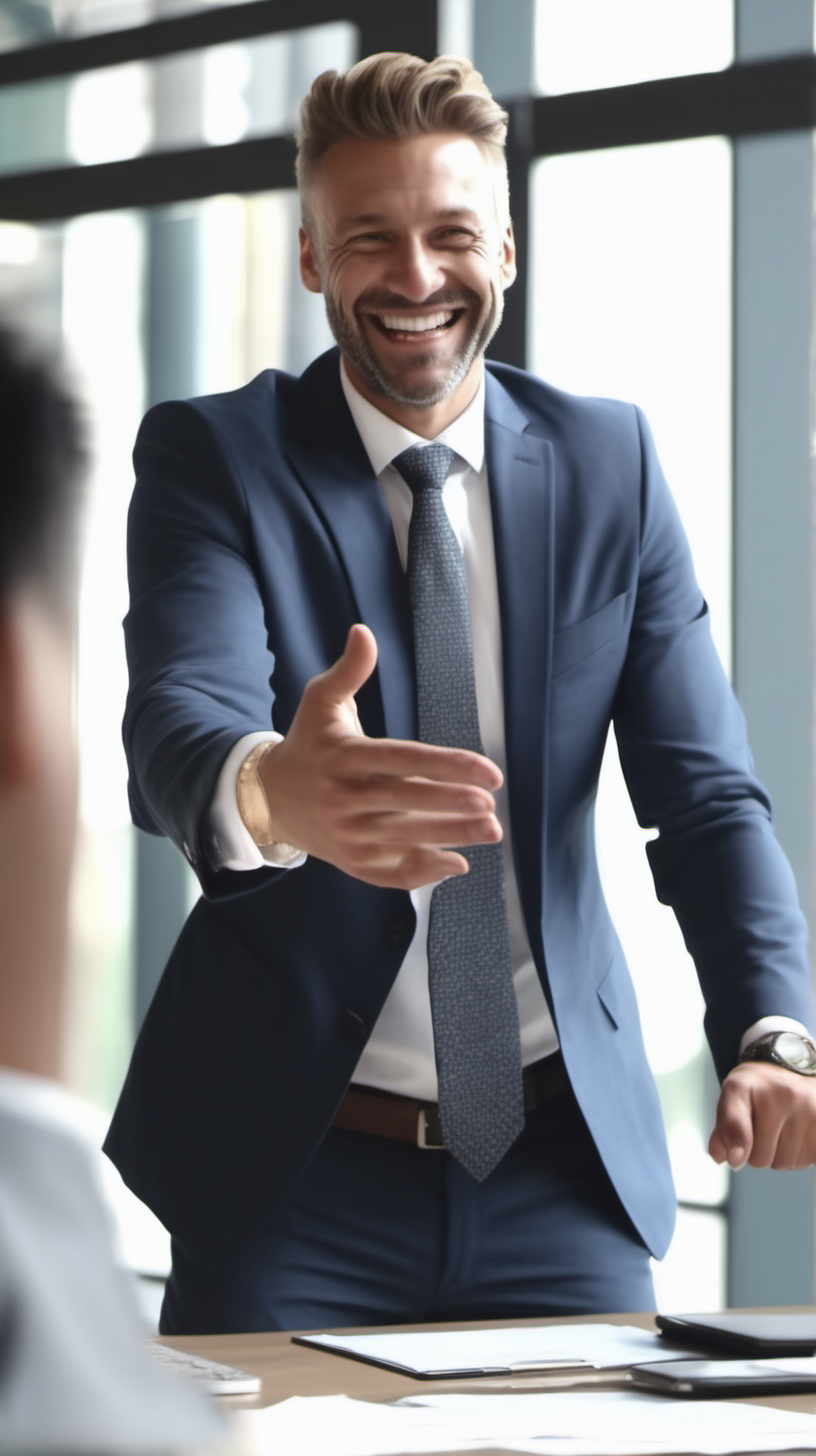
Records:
x=429, y=1130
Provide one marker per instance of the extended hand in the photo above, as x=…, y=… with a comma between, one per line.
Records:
x=766, y=1116
x=379, y=808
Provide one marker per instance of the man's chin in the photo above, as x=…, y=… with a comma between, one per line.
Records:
x=425, y=377
x=419, y=395
x=424, y=384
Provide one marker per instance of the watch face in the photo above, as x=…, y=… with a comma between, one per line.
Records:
x=787, y=1049
x=790, y=1050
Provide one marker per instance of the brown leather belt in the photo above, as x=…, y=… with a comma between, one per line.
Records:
x=385, y=1114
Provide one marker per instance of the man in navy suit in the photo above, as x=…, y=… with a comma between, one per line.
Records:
x=280, y=1114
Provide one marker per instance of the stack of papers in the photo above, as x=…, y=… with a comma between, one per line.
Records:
x=611, y=1423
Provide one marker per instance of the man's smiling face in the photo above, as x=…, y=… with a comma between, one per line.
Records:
x=410, y=247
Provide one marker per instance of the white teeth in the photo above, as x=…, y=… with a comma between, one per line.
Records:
x=412, y=324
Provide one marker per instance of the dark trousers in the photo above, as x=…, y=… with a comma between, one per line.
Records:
x=381, y=1232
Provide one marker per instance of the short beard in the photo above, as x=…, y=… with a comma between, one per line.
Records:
x=355, y=347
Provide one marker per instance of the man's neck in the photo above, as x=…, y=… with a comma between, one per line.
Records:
x=428, y=421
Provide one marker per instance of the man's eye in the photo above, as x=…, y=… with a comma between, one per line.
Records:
x=456, y=235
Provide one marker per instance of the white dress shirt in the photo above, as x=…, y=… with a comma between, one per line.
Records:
x=399, y=1056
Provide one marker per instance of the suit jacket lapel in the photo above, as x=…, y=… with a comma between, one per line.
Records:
x=520, y=473
x=331, y=462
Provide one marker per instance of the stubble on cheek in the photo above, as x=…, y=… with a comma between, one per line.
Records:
x=414, y=384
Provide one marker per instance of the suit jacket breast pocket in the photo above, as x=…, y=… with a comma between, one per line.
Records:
x=580, y=640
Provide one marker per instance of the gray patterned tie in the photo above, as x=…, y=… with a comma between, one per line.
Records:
x=475, y=1013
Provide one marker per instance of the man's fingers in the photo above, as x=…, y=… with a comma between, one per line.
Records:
x=732, y=1138
x=766, y=1117
x=347, y=675
x=791, y=1150
x=784, y=1106
x=384, y=794
x=404, y=759
x=424, y=830
x=716, y=1147
x=410, y=871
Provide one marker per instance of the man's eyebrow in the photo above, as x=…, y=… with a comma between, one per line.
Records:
x=380, y=219
x=446, y=214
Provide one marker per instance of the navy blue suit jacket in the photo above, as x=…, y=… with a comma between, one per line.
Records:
x=258, y=535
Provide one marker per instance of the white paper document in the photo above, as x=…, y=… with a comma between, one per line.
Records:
x=334, y=1425
x=612, y=1423
x=536, y=1347
x=616, y=1423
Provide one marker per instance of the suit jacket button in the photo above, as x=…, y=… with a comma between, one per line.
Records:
x=354, y=1026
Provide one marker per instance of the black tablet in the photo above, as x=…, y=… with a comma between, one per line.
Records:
x=737, y=1333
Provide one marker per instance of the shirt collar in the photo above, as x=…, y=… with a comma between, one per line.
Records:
x=384, y=439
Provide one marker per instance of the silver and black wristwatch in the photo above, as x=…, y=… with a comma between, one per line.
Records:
x=789, y=1049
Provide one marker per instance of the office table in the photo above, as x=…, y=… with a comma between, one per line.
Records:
x=287, y=1369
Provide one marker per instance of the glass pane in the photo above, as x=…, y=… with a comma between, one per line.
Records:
x=582, y=45
x=26, y=21
x=103, y=261
x=214, y=96
x=631, y=299
x=692, y=1275
x=255, y=313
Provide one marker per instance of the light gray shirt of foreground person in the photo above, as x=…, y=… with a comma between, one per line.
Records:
x=74, y=1372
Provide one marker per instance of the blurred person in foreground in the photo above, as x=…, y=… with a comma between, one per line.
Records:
x=74, y=1374
x=382, y=616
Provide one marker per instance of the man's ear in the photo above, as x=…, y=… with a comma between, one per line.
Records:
x=508, y=256
x=16, y=749
x=309, y=271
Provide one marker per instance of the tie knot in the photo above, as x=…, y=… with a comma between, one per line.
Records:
x=424, y=467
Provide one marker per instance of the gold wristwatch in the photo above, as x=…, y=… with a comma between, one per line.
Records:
x=253, y=805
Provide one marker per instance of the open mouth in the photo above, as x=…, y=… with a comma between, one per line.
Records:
x=416, y=327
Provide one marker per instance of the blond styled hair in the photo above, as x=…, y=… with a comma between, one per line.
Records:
x=396, y=96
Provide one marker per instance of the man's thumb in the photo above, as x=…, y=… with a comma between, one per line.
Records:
x=349, y=672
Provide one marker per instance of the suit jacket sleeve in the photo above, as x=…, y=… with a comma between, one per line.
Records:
x=683, y=748
x=196, y=638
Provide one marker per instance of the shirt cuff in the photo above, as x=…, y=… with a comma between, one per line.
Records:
x=231, y=846
x=772, y=1023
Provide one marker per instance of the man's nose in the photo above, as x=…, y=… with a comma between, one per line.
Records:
x=415, y=271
